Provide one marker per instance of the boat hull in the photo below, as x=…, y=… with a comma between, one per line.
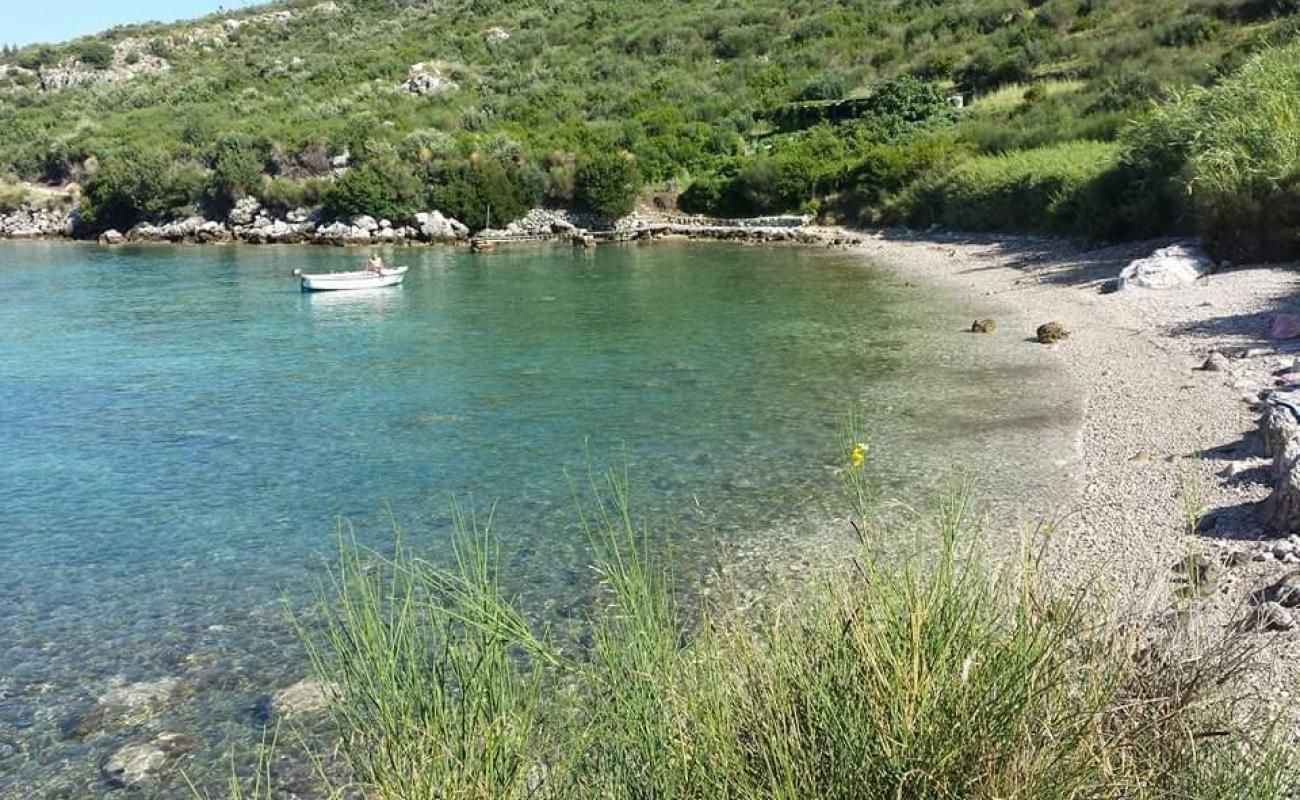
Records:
x=346, y=281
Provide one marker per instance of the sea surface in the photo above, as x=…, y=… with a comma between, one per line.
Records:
x=182, y=430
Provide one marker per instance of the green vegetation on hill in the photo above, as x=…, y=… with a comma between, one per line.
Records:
x=843, y=108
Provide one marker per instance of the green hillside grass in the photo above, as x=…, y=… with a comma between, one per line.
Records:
x=733, y=98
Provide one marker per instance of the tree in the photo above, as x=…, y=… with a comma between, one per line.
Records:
x=236, y=172
x=486, y=191
x=383, y=187
x=127, y=188
x=608, y=184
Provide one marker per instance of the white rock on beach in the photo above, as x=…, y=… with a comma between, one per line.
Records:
x=1167, y=268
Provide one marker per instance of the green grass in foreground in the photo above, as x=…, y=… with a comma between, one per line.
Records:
x=941, y=677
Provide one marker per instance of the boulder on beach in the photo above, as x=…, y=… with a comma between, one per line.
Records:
x=1051, y=332
x=111, y=236
x=984, y=326
x=1167, y=268
x=1285, y=326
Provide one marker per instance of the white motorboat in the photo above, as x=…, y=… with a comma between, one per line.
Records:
x=361, y=279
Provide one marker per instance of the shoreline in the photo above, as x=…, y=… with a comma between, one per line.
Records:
x=1161, y=436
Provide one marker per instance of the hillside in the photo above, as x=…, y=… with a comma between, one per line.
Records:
x=468, y=103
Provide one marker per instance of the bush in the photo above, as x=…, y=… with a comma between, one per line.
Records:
x=887, y=169
x=1226, y=160
x=12, y=198
x=1040, y=190
x=286, y=194
x=481, y=192
x=608, y=184
x=96, y=54
x=385, y=187
x=236, y=172
x=130, y=186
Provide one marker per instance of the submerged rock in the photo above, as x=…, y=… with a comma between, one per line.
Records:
x=136, y=763
x=1167, y=268
x=1051, y=332
x=304, y=697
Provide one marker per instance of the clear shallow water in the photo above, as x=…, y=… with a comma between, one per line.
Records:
x=181, y=427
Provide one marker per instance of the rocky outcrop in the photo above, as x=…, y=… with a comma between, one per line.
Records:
x=434, y=227
x=427, y=79
x=1167, y=268
x=33, y=222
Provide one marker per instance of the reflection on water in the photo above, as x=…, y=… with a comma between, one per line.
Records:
x=182, y=427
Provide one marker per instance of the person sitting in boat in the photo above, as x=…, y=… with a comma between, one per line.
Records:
x=375, y=264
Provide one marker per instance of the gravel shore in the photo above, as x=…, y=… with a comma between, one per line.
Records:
x=1160, y=435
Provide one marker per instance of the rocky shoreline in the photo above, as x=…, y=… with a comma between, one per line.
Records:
x=249, y=222
x=1188, y=505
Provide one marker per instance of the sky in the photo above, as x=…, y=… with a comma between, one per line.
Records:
x=27, y=21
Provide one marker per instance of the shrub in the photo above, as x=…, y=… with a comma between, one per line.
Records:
x=96, y=54
x=888, y=168
x=129, y=187
x=1229, y=158
x=1030, y=190
x=383, y=187
x=286, y=194
x=608, y=184
x=236, y=172
x=479, y=193
x=12, y=198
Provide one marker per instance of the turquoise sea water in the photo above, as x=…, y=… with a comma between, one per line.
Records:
x=180, y=429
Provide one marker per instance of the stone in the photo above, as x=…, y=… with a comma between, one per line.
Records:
x=426, y=79
x=1200, y=572
x=434, y=227
x=135, y=764
x=1215, y=362
x=496, y=35
x=984, y=326
x=365, y=222
x=1285, y=326
x=1270, y=616
x=245, y=211
x=1280, y=422
x=1285, y=591
x=304, y=697
x=142, y=695
x=111, y=236
x=1051, y=332
x=1167, y=268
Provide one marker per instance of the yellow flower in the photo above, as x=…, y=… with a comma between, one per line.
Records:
x=858, y=454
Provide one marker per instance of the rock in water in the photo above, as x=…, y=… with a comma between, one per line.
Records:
x=136, y=763
x=111, y=237
x=984, y=326
x=1167, y=268
x=304, y=697
x=1052, y=332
